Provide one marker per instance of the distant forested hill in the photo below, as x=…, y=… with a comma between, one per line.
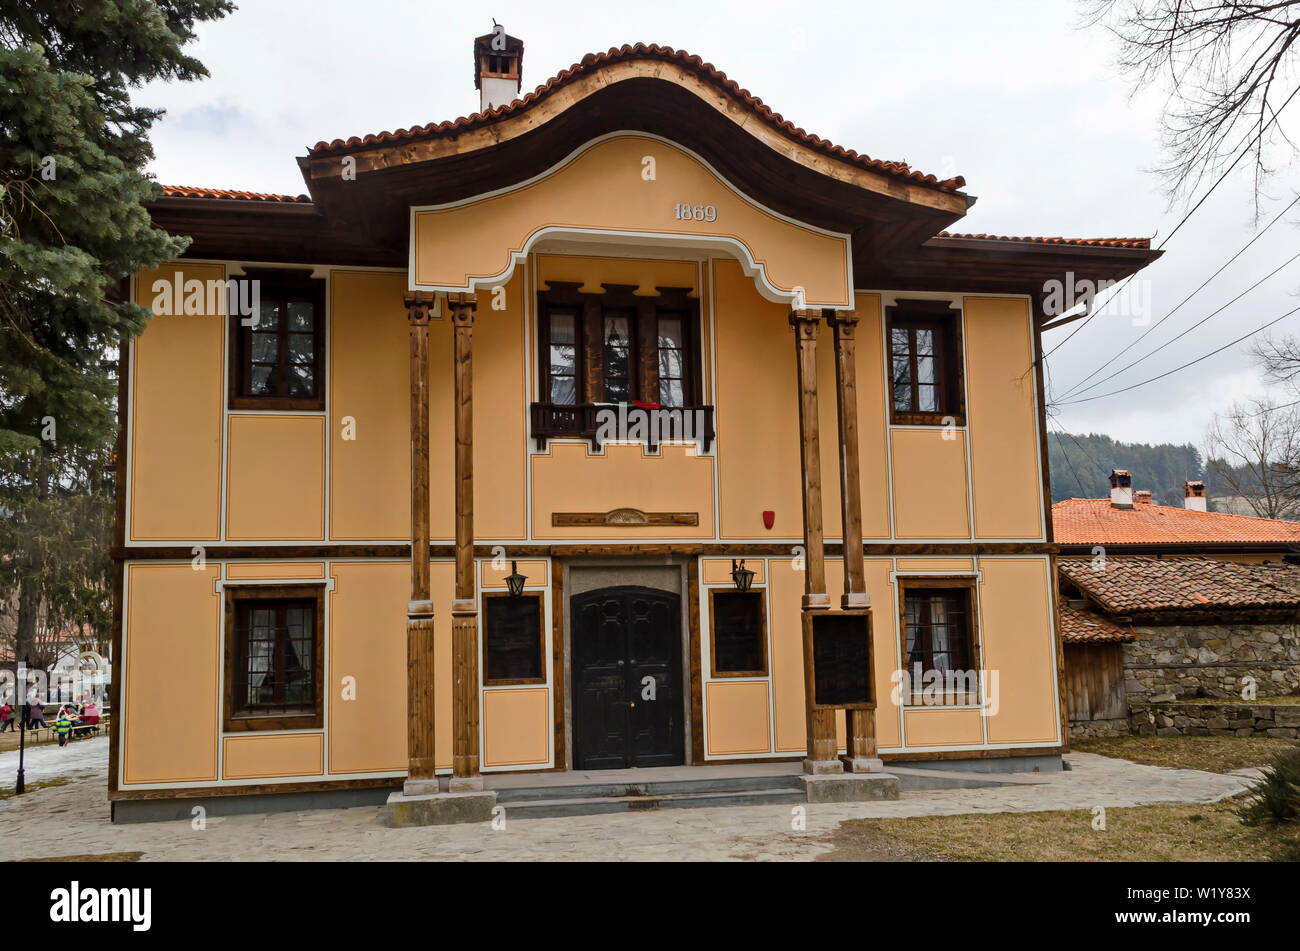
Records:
x=1081, y=467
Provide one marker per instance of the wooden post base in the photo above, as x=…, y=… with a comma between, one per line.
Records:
x=861, y=729
x=420, y=689
x=464, y=652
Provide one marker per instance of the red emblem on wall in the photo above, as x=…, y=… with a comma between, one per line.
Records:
x=769, y=519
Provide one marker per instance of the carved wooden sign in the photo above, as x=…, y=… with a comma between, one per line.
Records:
x=623, y=517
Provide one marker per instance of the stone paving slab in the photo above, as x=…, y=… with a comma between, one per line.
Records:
x=73, y=820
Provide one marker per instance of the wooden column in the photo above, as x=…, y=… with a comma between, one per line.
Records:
x=464, y=609
x=419, y=610
x=822, y=745
x=861, y=724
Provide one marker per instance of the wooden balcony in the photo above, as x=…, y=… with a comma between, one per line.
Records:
x=584, y=421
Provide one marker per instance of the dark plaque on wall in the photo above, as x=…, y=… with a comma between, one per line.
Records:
x=842, y=660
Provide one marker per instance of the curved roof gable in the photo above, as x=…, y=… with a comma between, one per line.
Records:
x=595, y=64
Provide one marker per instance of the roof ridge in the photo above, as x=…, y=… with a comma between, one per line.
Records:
x=595, y=61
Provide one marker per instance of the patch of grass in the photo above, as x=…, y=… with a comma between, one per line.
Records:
x=1196, y=832
x=1275, y=796
x=93, y=857
x=7, y=792
x=1287, y=701
x=1211, y=754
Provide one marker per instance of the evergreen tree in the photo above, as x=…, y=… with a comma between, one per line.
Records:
x=72, y=226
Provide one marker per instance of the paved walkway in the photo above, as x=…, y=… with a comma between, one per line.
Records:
x=73, y=820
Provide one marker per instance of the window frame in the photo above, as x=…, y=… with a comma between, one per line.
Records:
x=967, y=583
x=950, y=378
x=288, y=285
x=236, y=596
x=645, y=312
x=539, y=598
x=765, y=668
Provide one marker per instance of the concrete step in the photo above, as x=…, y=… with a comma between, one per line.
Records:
x=653, y=788
x=597, y=805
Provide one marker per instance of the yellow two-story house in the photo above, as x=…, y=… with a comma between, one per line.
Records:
x=621, y=426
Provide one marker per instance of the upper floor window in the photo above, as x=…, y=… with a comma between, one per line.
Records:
x=926, y=364
x=277, y=362
x=617, y=347
x=611, y=348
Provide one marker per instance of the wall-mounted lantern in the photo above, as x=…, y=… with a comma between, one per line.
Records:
x=741, y=576
x=515, y=581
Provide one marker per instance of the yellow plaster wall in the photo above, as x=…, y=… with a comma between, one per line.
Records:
x=369, y=380
x=737, y=715
x=516, y=727
x=274, y=571
x=171, y=695
x=1006, y=485
x=367, y=641
x=275, y=478
x=941, y=727
x=176, y=404
x=571, y=479
x=930, y=498
x=1018, y=642
x=602, y=188
x=273, y=755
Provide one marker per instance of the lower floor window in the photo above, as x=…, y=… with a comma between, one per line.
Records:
x=739, y=634
x=939, y=638
x=273, y=657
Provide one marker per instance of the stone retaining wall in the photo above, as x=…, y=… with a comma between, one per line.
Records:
x=1213, y=719
x=1170, y=662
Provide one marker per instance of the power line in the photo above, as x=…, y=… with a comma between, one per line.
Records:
x=1152, y=328
x=1083, y=492
x=1174, y=339
x=1102, y=396
x=1219, y=181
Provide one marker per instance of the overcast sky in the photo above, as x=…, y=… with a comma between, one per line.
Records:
x=1015, y=96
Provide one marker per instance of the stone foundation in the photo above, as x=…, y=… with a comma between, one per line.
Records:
x=1096, y=729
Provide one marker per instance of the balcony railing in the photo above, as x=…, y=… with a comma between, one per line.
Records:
x=599, y=422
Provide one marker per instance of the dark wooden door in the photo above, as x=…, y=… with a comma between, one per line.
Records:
x=627, y=695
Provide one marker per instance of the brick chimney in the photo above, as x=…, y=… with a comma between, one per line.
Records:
x=1194, y=498
x=498, y=67
x=1121, y=489
x=1142, y=497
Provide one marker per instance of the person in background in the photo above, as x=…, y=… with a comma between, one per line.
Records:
x=90, y=715
x=63, y=725
x=6, y=717
x=38, y=712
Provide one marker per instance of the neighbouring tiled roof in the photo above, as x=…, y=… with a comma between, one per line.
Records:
x=594, y=62
x=191, y=191
x=1143, y=244
x=1081, y=626
x=1097, y=522
x=1133, y=585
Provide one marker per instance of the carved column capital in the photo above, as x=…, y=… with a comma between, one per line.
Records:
x=844, y=323
x=419, y=305
x=805, y=321
x=462, y=308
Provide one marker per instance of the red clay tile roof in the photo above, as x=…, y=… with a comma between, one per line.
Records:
x=1142, y=585
x=1143, y=244
x=593, y=62
x=190, y=191
x=1081, y=626
x=1097, y=522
